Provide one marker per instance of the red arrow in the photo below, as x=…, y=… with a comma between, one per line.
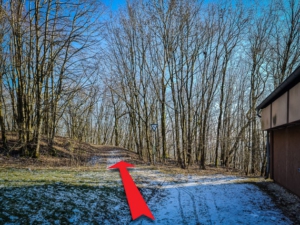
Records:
x=137, y=204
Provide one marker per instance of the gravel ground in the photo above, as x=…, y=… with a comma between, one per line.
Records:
x=285, y=200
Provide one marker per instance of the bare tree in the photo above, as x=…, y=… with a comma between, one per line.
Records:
x=285, y=42
x=45, y=42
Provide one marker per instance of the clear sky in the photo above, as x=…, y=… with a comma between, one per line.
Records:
x=114, y=4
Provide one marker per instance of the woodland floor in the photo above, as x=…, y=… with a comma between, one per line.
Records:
x=75, y=187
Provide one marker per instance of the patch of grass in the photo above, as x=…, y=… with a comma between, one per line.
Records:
x=24, y=177
x=53, y=196
x=69, y=196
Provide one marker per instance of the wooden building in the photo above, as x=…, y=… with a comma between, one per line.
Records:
x=280, y=117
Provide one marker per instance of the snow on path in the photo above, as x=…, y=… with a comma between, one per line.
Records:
x=173, y=199
x=113, y=159
x=214, y=199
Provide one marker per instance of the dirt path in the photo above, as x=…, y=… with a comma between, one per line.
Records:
x=95, y=195
x=217, y=199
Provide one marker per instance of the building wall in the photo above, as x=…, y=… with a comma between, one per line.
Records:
x=285, y=159
x=279, y=110
x=284, y=110
x=294, y=103
x=266, y=118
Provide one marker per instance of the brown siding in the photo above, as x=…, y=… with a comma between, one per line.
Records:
x=279, y=111
x=272, y=154
x=293, y=160
x=294, y=103
x=279, y=156
x=286, y=158
x=266, y=118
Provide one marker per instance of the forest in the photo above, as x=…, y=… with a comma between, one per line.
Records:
x=197, y=69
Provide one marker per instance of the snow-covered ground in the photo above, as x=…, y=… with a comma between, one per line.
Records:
x=213, y=200
x=97, y=197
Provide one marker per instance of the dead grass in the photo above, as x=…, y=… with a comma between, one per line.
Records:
x=171, y=167
x=73, y=154
x=68, y=153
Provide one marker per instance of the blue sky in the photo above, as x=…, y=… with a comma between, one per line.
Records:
x=114, y=4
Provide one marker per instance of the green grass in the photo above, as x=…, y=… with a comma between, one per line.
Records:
x=24, y=177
